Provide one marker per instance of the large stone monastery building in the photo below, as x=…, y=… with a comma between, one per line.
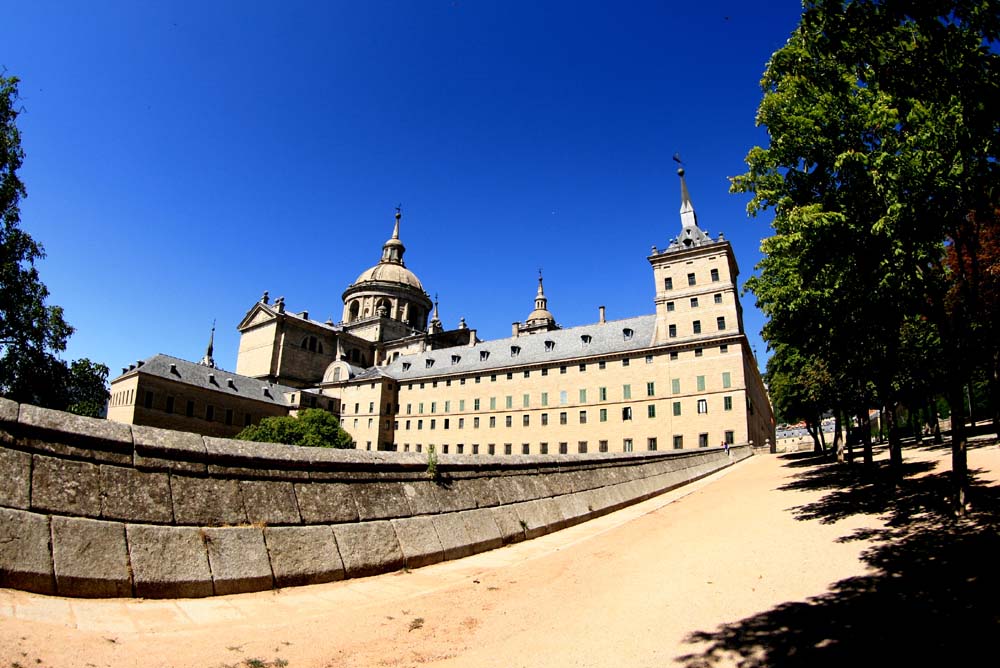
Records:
x=681, y=377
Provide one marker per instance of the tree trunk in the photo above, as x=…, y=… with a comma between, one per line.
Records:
x=866, y=439
x=959, y=456
x=895, y=444
x=838, y=443
x=811, y=428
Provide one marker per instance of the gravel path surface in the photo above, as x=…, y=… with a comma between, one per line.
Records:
x=734, y=568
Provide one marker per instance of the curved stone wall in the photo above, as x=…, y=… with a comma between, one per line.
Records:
x=91, y=508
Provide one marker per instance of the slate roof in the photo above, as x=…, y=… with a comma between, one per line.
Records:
x=197, y=375
x=605, y=339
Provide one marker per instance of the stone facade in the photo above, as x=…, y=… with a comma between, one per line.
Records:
x=683, y=377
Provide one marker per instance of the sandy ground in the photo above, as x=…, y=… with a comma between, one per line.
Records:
x=628, y=589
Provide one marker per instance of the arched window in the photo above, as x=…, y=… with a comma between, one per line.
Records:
x=355, y=310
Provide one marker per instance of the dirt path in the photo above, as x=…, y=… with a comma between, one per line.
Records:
x=624, y=590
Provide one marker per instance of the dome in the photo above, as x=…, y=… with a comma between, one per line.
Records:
x=386, y=272
x=540, y=314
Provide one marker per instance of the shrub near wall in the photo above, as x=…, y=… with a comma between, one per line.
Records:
x=92, y=508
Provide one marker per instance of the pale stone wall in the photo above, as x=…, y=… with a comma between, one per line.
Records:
x=92, y=508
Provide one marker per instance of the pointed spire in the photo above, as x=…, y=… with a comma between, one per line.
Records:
x=208, y=360
x=540, y=300
x=393, y=249
x=691, y=235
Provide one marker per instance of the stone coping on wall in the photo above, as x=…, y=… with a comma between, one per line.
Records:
x=93, y=508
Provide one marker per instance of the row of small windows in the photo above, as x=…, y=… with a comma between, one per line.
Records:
x=602, y=395
x=563, y=447
x=696, y=326
x=716, y=298
x=668, y=282
x=210, y=414
x=603, y=364
x=582, y=416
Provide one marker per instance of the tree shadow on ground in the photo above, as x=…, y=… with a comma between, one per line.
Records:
x=934, y=598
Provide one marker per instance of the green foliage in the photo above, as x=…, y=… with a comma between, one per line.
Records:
x=432, y=462
x=32, y=333
x=313, y=427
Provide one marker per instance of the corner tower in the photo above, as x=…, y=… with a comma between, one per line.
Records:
x=695, y=277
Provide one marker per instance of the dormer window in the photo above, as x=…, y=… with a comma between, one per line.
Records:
x=627, y=333
x=586, y=338
x=515, y=351
x=550, y=346
x=428, y=363
x=484, y=355
x=406, y=366
x=455, y=359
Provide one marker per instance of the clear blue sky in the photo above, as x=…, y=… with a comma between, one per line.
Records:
x=183, y=157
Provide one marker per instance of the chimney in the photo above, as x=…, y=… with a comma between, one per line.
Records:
x=514, y=329
x=600, y=310
x=472, y=338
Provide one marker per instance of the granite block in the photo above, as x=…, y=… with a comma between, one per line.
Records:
x=66, y=487
x=368, y=548
x=418, y=541
x=90, y=558
x=303, y=555
x=15, y=472
x=206, y=501
x=322, y=502
x=135, y=496
x=25, y=554
x=238, y=559
x=168, y=562
x=270, y=502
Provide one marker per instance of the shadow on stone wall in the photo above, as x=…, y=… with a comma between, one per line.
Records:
x=932, y=601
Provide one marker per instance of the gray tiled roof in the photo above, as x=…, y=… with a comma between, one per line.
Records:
x=189, y=373
x=606, y=338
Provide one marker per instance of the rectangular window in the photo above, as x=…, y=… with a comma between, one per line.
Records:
x=525, y=420
x=649, y=359
x=651, y=410
x=723, y=349
x=651, y=443
x=627, y=445
x=727, y=379
x=563, y=448
x=510, y=375
x=475, y=423
x=717, y=297
x=562, y=417
x=703, y=405
x=627, y=413
x=675, y=385
x=673, y=356
x=229, y=416
x=461, y=404
x=668, y=283
x=493, y=403
x=460, y=448
x=420, y=407
x=447, y=423
x=407, y=424
x=209, y=413
x=602, y=365
x=545, y=372
x=545, y=398
x=475, y=448
x=189, y=409
x=433, y=423
x=694, y=302
x=408, y=407
x=583, y=417
x=700, y=382
x=626, y=391
x=525, y=400
x=434, y=407
x=678, y=442
x=545, y=419
x=148, y=400
x=677, y=408
x=525, y=449
x=491, y=448
x=583, y=367
x=461, y=423
x=721, y=322
x=527, y=374
x=247, y=419
x=371, y=406
x=581, y=447
x=507, y=449
x=691, y=279
x=698, y=352
x=670, y=306
x=447, y=407
x=730, y=437
x=672, y=331
x=625, y=362
x=562, y=369
x=170, y=404
x=650, y=389
x=604, y=415
x=727, y=403
x=508, y=420
x=696, y=326
x=493, y=421
x=583, y=396
x=563, y=397
x=602, y=446
x=602, y=393
x=715, y=275
x=702, y=440
x=543, y=448
x=475, y=404
x=509, y=401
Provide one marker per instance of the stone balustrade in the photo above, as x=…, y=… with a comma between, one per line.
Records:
x=91, y=508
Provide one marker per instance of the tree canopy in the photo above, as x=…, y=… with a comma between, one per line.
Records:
x=33, y=333
x=883, y=118
x=312, y=427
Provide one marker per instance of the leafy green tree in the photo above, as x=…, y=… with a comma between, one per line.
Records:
x=883, y=118
x=32, y=333
x=312, y=427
